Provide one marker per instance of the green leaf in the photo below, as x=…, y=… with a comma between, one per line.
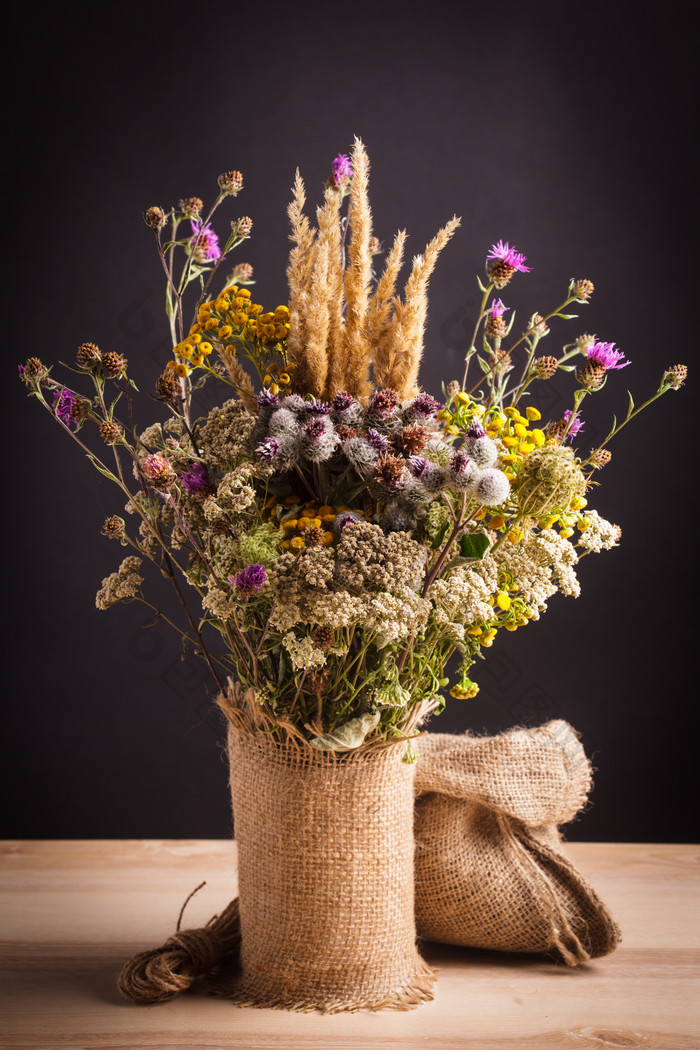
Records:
x=348, y=736
x=474, y=545
x=481, y=286
x=568, y=368
x=437, y=542
x=483, y=365
x=630, y=407
x=567, y=317
x=103, y=470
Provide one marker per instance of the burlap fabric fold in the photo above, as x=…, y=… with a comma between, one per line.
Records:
x=490, y=868
x=325, y=871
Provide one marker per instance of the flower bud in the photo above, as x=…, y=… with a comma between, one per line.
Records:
x=231, y=182
x=154, y=217
x=676, y=376
x=242, y=227
x=191, y=207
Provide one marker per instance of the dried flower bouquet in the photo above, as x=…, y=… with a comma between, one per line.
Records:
x=335, y=534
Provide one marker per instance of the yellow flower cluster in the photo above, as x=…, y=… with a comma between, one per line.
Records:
x=232, y=317
x=310, y=525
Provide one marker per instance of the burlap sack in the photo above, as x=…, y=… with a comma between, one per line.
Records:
x=325, y=869
x=490, y=870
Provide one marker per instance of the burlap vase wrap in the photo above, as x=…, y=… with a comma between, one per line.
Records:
x=325, y=875
x=325, y=918
x=490, y=867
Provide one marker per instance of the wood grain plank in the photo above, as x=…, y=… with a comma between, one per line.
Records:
x=72, y=912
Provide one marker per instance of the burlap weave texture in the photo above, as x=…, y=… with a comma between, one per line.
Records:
x=325, y=861
x=490, y=866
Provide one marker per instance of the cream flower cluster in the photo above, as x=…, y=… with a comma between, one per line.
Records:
x=120, y=585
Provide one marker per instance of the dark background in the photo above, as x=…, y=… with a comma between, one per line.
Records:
x=566, y=129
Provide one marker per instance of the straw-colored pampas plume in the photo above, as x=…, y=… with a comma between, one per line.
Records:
x=398, y=361
x=329, y=239
x=301, y=262
x=317, y=325
x=358, y=276
x=381, y=304
x=240, y=378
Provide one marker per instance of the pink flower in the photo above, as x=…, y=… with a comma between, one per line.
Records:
x=606, y=355
x=497, y=308
x=504, y=253
x=575, y=427
x=204, y=243
x=342, y=170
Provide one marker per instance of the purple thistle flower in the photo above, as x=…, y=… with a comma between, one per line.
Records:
x=423, y=405
x=250, y=580
x=459, y=463
x=196, y=480
x=268, y=449
x=575, y=427
x=63, y=404
x=341, y=401
x=204, y=243
x=267, y=400
x=497, y=308
x=377, y=440
x=315, y=429
x=418, y=465
x=21, y=369
x=504, y=253
x=316, y=407
x=607, y=356
x=341, y=170
x=476, y=430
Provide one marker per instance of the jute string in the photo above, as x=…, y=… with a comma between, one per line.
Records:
x=490, y=870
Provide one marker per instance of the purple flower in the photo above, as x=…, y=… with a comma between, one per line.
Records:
x=195, y=480
x=575, y=427
x=504, y=253
x=606, y=355
x=476, y=430
x=423, y=405
x=418, y=465
x=342, y=400
x=63, y=404
x=204, y=243
x=315, y=429
x=316, y=407
x=21, y=369
x=267, y=400
x=341, y=170
x=250, y=580
x=377, y=440
x=459, y=463
x=497, y=308
x=268, y=449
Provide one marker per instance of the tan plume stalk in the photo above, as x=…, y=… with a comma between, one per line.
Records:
x=408, y=323
x=240, y=378
x=329, y=239
x=318, y=318
x=358, y=277
x=301, y=261
x=380, y=309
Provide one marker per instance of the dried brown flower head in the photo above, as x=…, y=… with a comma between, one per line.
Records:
x=389, y=472
x=412, y=439
x=600, y=457
x=583, y=290
x=454, y=387
x=110, y=432
x=191, y=207
x=219, y=526
x=167, y=386
x=231, y=182
x=113, y=527
x=88, y=356
x=242, y=227
x=243, y=273
x=500, y=272
x=313, y=536
x=345, y=432
x=113, y=364
x=496, y=327
x=154, y=217
x=591, y=375
x=538, y=326
x=318, y=680
x=35, y=368
x=544, y=367
x=323, y=637
x=676, y=376
x=556, y=429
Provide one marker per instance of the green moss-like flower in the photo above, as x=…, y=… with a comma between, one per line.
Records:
x=549, y=480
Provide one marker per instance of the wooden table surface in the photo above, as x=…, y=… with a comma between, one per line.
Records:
x=72, y=912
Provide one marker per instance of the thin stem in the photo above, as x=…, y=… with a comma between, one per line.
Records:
x=471, y=348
